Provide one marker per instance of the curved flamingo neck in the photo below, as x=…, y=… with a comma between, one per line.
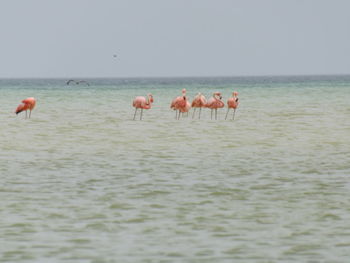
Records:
x=148, y=102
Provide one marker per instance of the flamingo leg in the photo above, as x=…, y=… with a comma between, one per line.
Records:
x=228, y=109
x=211, y=114
x=30, y=113
x=175, y=114
x=216, y=114
x=194, y=111
x=135, y=113
x=234, y=112
x=141, y=114
x=200, y=109
x=26, y=114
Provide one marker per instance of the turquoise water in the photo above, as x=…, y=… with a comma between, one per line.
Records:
x=82, y=182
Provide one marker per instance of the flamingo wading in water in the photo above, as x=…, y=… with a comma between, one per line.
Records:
x=214, y=103
x=232, y=103
x=198, y=102
x=27, y=104
x=180, y=104
x=142, y=103
x=186, y=108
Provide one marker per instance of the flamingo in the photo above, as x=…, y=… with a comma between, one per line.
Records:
x=180, y=104
x=142, y=103
x=198, y=102
x=27, y=104
x=232, y=103
x=214, y=103
x=186, y=108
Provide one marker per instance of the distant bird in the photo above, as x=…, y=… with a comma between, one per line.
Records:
x=215, y=103
x=179, y=104
x=27, y=104
x=232, y=103
x=114, y=55
x=82, y=81
x=198, y=102
x=77, y=82
x=142, y=103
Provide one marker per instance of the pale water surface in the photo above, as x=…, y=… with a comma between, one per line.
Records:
x=82, y=182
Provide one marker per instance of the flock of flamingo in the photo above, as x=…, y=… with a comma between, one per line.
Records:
x=180, y=104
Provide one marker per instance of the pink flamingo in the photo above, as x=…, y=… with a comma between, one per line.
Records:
x=179, y=104
x=27, y=104
x=232, y=103
x=186, y=108
x=198, y=102
x=142, y=103
x=215, y=103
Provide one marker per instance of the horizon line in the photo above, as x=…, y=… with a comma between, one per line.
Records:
x=184, y=77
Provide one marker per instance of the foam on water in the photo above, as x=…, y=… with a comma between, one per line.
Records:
x=82, y=181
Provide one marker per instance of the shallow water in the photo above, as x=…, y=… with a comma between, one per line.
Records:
x=83, y=182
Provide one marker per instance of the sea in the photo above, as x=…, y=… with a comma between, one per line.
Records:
x=81, y=181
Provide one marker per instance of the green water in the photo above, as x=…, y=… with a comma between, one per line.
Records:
x=82, y=182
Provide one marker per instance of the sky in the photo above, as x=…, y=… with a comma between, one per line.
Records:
x=171, y=38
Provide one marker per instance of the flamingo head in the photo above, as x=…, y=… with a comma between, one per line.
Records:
x=235, y=93
x=150, y=96
x=217, y=94
x=20, y=108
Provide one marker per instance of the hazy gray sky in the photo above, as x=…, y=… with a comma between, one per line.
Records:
x=78, y=38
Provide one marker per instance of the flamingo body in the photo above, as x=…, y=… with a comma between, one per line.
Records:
x=198, y=102
x=186, y=108
x=180, y=104
x=142, y=103
x=214, y=103
x=27, y=104
x=232, y=103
